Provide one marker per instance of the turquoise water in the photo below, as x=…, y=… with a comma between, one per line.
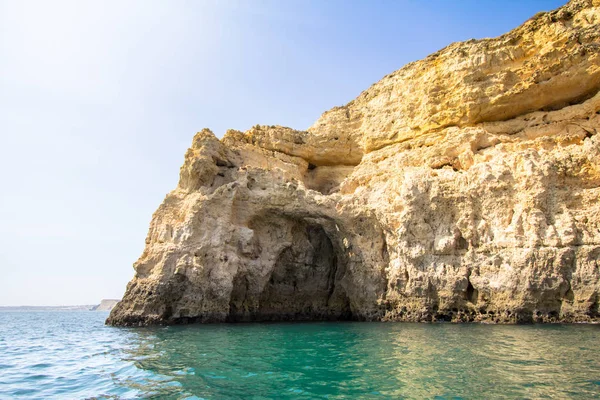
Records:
x=72, y=355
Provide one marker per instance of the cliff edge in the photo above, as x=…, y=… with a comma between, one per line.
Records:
x=462, y=187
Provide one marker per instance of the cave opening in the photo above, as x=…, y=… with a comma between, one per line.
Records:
x=305, y=283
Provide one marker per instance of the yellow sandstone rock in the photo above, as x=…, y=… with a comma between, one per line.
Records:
x=462, y=187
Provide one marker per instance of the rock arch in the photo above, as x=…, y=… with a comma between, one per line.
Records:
x=304, y=275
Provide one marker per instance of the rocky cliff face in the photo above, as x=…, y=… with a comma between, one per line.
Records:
x=462, y=187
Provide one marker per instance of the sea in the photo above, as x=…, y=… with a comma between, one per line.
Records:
x=73, y=355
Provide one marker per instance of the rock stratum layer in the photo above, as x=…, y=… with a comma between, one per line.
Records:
x=462, y=187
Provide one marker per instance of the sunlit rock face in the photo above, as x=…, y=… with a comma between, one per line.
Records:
x=462, y=187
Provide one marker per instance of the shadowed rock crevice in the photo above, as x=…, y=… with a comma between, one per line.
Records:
x=471, y=294
x=326, y=179
x=304, y=284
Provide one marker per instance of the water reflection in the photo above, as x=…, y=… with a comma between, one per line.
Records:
x=368, y=360
x=73, y=355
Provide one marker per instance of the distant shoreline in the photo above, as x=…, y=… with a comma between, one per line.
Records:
x=104, y=305
x=49, y=308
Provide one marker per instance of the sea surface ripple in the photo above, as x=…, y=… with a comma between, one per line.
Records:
x=73, y=355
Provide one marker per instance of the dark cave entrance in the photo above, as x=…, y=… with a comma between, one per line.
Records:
x=305, y=283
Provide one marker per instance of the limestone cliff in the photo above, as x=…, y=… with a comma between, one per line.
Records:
x=462, y=187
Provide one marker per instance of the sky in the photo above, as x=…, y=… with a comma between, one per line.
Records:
x=100, y=99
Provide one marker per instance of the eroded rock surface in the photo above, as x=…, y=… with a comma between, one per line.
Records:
x=463, y=187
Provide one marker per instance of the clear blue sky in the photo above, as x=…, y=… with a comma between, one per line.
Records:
x=100, y=99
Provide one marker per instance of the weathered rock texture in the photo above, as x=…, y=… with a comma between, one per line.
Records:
x=462, y=187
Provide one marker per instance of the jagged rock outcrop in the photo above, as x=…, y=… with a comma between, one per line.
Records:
x=462, y=187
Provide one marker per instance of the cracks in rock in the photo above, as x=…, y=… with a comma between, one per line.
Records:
x=331, y=278
x=471, y=294
x=594, y=308
x=385, y=255
x=569, y=295
x=445, y=163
